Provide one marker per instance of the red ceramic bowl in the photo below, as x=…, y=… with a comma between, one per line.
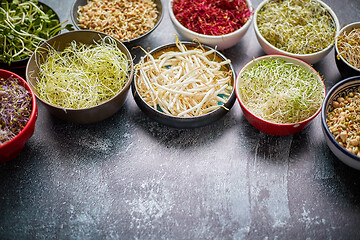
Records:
x=267, y=126
x=12, y=148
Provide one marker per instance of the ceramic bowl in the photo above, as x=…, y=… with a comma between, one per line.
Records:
x=75, y=15
x=13, y=147
x=19, y=66
x=345, y=69
x=267, y=126
x=340, y=89
x=183, y=122
x=85, y=115
x=309, y=58
x=219, y=42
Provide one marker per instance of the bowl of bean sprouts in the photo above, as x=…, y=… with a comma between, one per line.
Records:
x=347, y=50
x=302, y=29
x=128, y=21
x=18, y=114
x=184, y=84
x=340, y=120
x=279, y=95
x=218, y=24
x=81, y=76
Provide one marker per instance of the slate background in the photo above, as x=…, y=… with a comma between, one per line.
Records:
x=129, y=177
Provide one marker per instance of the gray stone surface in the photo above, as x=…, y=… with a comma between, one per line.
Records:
x=129, y=177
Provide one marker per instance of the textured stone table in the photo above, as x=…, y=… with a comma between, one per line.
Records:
x=129, y=177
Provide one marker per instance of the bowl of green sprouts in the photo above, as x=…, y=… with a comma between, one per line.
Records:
x=302, y=29
x=25, y=24
x=81, y=76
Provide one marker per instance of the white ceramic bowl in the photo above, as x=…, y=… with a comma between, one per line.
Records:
x=309, y=58
x=344, y=86
x=219, y=42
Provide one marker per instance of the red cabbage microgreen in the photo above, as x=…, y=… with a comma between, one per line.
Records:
x=212, y=17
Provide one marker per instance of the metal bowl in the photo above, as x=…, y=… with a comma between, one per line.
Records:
x=184, y=122
x=345, y=69
x=74, y=18
x=86, y=115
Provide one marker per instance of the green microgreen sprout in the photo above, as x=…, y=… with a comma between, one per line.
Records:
x=23, y=25
x=280, y=92
x=82, y=75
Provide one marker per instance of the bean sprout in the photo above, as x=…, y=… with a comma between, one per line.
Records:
x=184, y=82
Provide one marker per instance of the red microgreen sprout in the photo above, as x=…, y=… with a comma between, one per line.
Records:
x=15, y=108
x=212, y=17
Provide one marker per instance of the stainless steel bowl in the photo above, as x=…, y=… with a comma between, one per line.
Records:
x=86, y=115
x=184, y=122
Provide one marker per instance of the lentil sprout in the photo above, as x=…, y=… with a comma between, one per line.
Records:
x=349, y=47
x=15, y=108
x=344, y=121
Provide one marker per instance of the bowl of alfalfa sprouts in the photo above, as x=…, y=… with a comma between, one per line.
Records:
x=302, y=29
x=279, y=95
x=184, y=84
x=127, y=21
x=347, y=50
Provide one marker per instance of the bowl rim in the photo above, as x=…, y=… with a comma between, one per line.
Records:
x=159, y=5
x=350, y=26
x=33, y=115
x=286, y=58
x=228, y=103
x=296, y=55
x=124, y=88
x=325, y=127
x=212, y=37
x=22, y=62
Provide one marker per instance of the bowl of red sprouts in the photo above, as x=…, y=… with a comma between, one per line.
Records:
x=184, y=84
x=18, y=111
x=347, y=50
x=218, y=24
x=340, y=120
x=279, y=95
x=127, y=21
x=301, y=29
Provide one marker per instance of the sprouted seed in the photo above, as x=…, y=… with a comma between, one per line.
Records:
x=296, y=26
x=82, y=76
x=23, y=25
x=343, y=121
x=348, y=45
x=15, y=108
x=280, y=91
x=184, y=82
x=212, y=17
x=124, y=20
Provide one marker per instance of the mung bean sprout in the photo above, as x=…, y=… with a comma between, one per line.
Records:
x=184, y=82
